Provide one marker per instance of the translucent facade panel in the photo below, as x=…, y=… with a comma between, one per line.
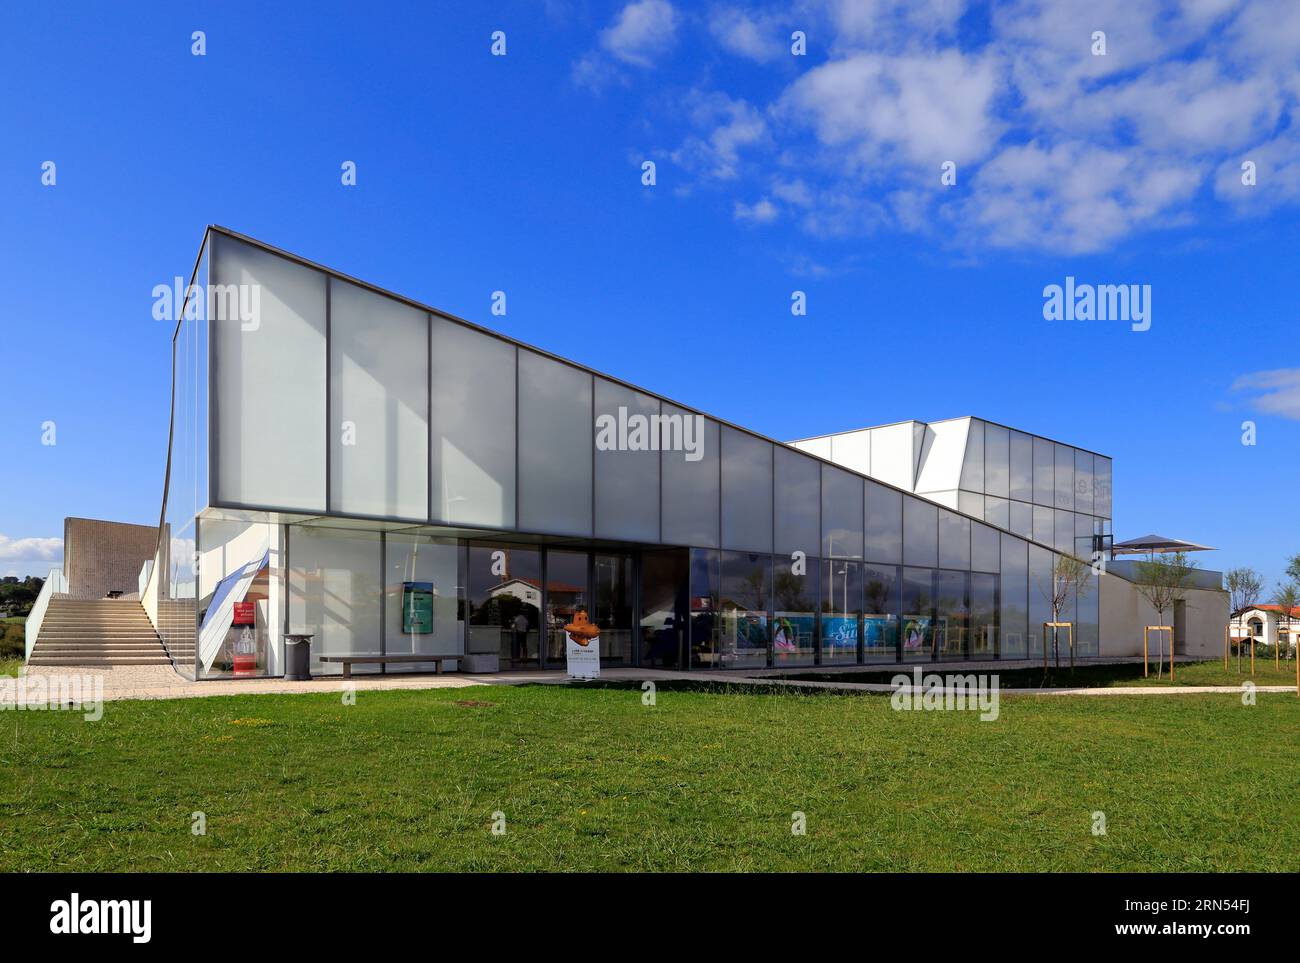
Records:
x=269, y=381
x=1022, y=519
x=746, y=491
x=997, y=511
x=797, y=498
x=1022, y=466
x=943, y=455
x=920, y=532
x=884, y=523
x=997, y=461
x=881, y=606
x=1043, y=525
x=422, y=600
x=1014, y=590
x=841, y=609
x=954, y=540
x=969, y=503
x=852, y=450
x=1064, y=456
x=972, y=467
x=842, y=502
x=1083, y=483
x=555, y=446
x=1102, y=487
x=893, y=454
x=379, y=404
x=627, y=464
x=335, y=593
x=472, y=419
x=689, y=505
x=1044, y=472
x=984, y=548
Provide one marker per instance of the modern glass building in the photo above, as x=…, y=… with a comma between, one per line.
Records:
x=352, y=464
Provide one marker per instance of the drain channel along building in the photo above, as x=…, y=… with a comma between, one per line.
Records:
x=392, y=480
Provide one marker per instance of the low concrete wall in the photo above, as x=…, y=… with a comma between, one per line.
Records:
x=101, y=557
x=1124, y=613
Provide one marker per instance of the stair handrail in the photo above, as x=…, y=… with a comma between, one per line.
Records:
x=55, y=584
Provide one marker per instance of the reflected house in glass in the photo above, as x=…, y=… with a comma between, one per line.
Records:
x=374, y=455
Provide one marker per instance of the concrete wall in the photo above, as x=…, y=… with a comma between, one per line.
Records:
x=99, y=556
x=1124, y=613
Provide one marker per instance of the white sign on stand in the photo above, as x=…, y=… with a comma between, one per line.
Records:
x=583, y=660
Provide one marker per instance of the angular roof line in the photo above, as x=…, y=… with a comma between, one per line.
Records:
x=940, y=421
x=419, y=305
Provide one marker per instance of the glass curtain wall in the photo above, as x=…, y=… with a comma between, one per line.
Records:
x=882, y=606
x=665, y=594
x=841, y=611
x=504, y=587
x=334, y=594
x=794, y=622
x=744, y=600
x=567, y=592
x=612, y=607
x=704, y=624
x=422, y=600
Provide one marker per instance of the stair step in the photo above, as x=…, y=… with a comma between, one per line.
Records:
x=132, y=660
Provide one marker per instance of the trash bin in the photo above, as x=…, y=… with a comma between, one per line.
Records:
x=297, y=657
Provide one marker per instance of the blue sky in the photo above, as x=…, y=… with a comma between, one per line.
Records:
x=774, y=173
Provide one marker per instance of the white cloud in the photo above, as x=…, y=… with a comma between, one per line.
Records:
x=1057, y=149
x=927, y=108
x=730, y=125
x=30, y=549
x=1073, y=197
x=762, y=211
x=1277, y=392
x=754, y=36
x=642, y=31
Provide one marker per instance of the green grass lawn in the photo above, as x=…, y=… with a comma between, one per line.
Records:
x=590, y=779
x=10, y=666
x=1087, y=676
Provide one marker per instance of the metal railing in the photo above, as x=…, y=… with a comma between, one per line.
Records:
x=55, y=584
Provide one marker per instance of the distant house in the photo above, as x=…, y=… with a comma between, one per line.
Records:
x=1264, y=624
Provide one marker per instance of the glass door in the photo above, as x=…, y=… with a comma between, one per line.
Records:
x=566, y=593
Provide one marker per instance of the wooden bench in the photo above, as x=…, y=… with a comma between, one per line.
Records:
x=349, y=660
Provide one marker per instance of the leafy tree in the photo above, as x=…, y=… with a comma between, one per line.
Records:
x=1286, y=596
x=1163, y=581
x=1244, y=588
x=1069, y=574
x=1293, y=569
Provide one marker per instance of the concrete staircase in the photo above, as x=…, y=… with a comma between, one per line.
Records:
x=79, y=632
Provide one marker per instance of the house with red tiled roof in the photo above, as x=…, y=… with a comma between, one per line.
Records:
x=1264, y=624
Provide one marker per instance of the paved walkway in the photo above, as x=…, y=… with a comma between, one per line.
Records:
x=163, y=682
